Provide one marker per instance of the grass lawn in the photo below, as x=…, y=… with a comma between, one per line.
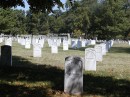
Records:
x=44, y=77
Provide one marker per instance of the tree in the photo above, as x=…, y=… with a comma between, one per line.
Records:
x=37, y=23
x=109, y=19
x=35, y=5
x=12, y=21
x=56, y=22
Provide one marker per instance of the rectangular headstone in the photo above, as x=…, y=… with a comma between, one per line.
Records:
x=23, y=41
x=37, y=51
x=54, y=47
x=6, y=55
x=73, y=81
x=27, y=44
x=90, y=59
x=65, y=45
x=74, y=44
x=104, y=48
x=8, y=41
x=83, y=43
x=41, y=42
x=93, y=42
x=79, y=44
x=98, y=50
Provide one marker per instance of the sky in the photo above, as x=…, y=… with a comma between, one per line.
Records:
x=27, y=6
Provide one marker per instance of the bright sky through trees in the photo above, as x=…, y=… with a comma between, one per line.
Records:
x=27, y=6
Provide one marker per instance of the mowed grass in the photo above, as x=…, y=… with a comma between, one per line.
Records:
x=44, y=77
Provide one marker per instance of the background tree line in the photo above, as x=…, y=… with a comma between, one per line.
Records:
x=106, y=20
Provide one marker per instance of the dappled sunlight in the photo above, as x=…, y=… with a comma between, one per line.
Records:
x=28, y=79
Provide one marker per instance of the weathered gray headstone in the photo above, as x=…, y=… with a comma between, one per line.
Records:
x=79, y=44
x=6, y=55
x=73, y=82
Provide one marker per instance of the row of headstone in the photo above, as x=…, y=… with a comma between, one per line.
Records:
x=119, y=41
x=53, y=43
x=78, y=43
x=92, y=55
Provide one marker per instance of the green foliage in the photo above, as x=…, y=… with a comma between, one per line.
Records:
x=105, y=20
x=77, y=33
x=37, y=23
x=12, y=22
x=110, y=19
x=35, y=5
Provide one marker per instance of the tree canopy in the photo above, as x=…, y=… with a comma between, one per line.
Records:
x=35, y=5
x=109, y=19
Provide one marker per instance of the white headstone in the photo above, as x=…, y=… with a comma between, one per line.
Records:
x=23, y=41
x=129, y=42
x=41, y=42
x=65, y=45
x=69, y=41
x=58, y=42
x=83, y=43
x=1, y=40
x=8, y=41
x=27, y=44
x=90, y=59
x=93, y=42
x=37, y=51
x=54, y=47
x=103, y=48
x=98, y=50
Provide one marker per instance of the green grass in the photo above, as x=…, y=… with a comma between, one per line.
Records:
x=44, y=77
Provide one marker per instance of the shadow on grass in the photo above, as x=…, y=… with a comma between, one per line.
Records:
x=7, y=90
x=82, y=48
x=106, y=86
x=23, y=70
x=119, y=50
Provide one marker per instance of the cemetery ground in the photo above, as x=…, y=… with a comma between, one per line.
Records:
x=44, y=77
